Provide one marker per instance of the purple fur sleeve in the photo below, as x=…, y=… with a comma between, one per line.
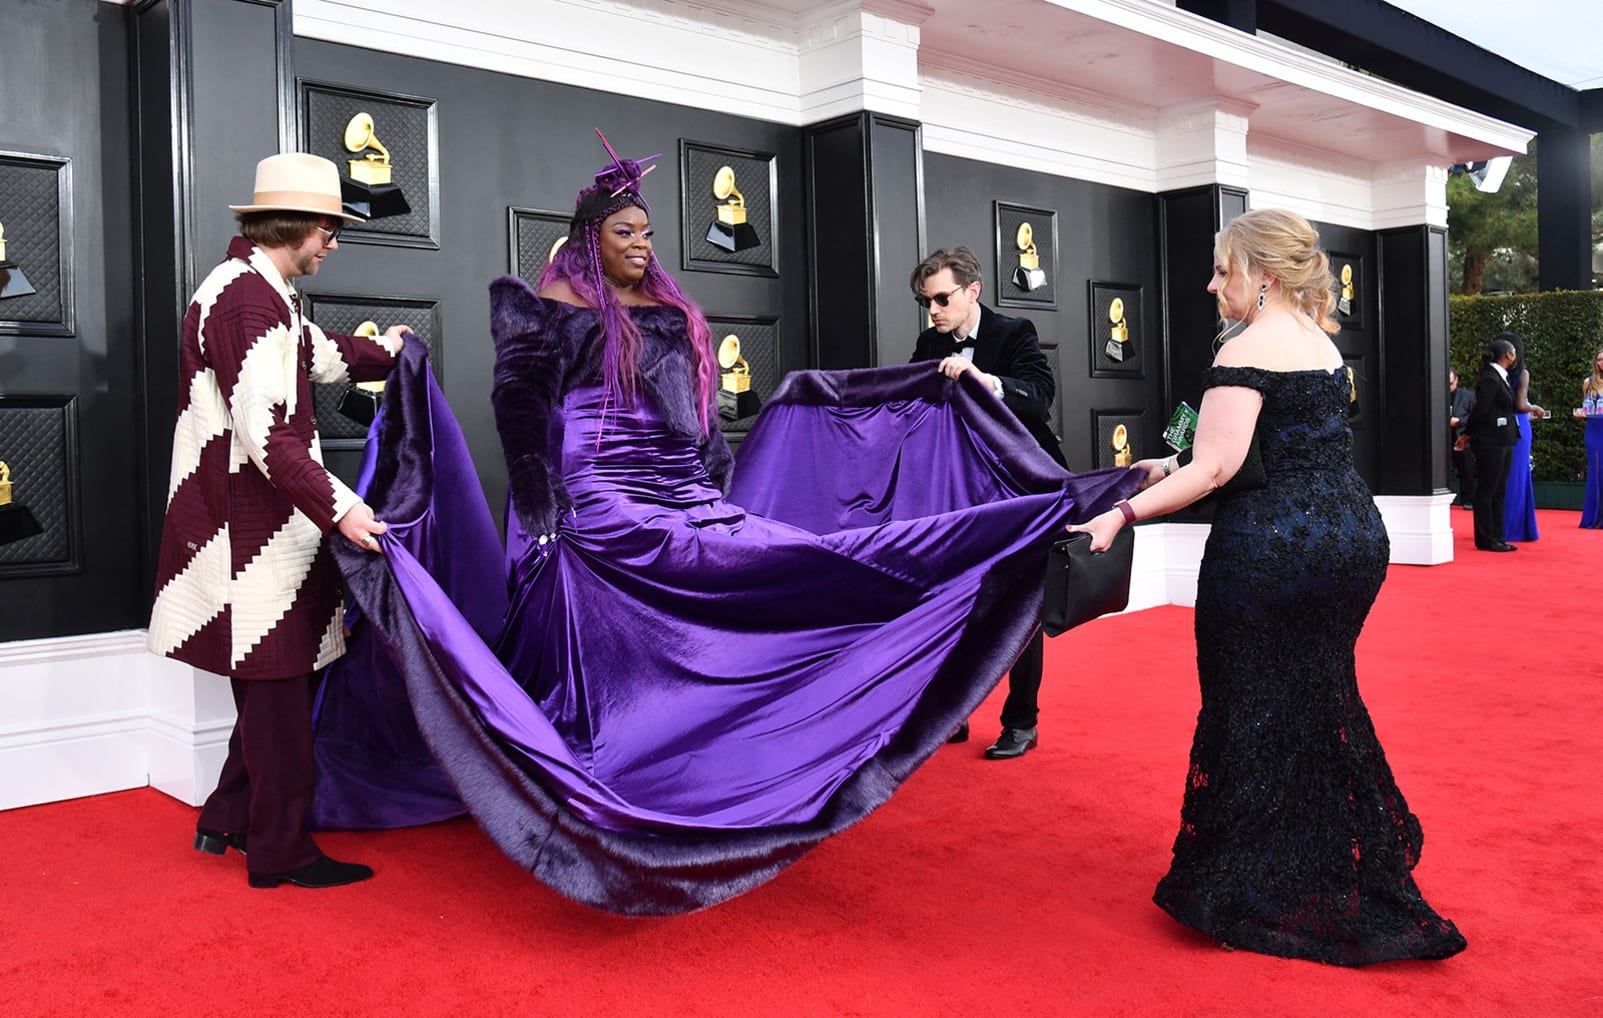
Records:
x=531, y=358
x=716, y=457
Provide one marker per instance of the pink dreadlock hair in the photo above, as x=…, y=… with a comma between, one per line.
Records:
x=578, y=263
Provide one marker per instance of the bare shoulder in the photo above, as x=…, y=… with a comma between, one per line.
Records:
x=561, y=290
x=1280, y=345
x=1250, y=348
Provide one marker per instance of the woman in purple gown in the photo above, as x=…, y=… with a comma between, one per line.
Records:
x=677, y=693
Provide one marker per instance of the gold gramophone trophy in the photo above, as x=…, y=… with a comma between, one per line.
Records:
x=1118, y=347
x=1344, y=303
x=1029, y=275
x=12, y=282
x=735, y=398
x=368, y=190
x=730, y=231
x=16, y=522
x=360, y=402
x=1122, y=456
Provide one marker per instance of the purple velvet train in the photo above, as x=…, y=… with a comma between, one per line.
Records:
x=680, y=693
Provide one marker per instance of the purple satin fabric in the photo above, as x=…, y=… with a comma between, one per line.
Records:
x=683, y=692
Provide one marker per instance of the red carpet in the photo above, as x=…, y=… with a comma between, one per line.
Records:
x=984, y=888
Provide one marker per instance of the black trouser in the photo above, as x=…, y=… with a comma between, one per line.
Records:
x=1466, y=476
x=265, y=789
x=1021, y=710
x=1491, y=485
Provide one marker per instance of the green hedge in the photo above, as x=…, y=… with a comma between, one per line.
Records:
x=1562, y=331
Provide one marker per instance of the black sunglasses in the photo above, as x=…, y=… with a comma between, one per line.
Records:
x=940, y=298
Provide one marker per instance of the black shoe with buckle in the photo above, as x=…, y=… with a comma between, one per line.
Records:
x=1012, y=742
x=217, y=843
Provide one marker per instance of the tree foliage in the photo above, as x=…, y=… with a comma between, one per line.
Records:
x=1562, y=330
x=1491, y=236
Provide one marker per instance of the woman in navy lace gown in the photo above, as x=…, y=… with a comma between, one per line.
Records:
x=1294, y=839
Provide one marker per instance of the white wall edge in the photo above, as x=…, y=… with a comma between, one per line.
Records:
x=1420, y=527
x=92, y=714
x=85, y=715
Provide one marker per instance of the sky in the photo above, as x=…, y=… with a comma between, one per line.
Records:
x=1558, y=39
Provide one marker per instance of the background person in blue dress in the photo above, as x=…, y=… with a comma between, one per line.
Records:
x=1592, y=409
x=1519, y=497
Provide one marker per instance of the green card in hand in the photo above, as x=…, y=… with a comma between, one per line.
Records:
x=1182, y=428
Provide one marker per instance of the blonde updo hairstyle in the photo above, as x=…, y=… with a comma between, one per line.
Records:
x=1283, y=245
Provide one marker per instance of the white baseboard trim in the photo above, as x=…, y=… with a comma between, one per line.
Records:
x=1420, y=527
x=84, y=715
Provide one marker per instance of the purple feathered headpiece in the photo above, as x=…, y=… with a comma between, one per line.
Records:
x=617, y=186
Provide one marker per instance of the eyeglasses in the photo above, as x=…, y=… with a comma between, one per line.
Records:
x=329, y=236
x=940, y=298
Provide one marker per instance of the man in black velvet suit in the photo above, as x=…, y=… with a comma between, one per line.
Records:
x=1006, y=355
x=1460, y=400
x=1491, y=431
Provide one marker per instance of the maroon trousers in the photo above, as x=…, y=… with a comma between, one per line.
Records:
x=265, y=789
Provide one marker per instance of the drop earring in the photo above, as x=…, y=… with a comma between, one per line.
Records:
x=1263, y=290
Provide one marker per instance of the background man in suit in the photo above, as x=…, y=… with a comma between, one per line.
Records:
x=1491, y=431
x=1459, y=402
x=1005, y=354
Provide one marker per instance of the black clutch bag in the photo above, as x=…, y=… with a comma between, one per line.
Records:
x=1082, y=584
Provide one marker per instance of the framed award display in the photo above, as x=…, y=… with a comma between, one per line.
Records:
x=35, y=245
x=729, y=209
x=1026, y=256
x=1115, y=436
x=1348, y=272
x=39, y=498
x=386, y=147
x=533, y=239
x=748, y=366
x=345, y=411
x=1117, y=337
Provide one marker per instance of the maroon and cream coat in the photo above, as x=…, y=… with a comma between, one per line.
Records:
x=246, y=585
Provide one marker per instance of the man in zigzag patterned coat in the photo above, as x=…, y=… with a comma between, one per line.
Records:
x=246, y=585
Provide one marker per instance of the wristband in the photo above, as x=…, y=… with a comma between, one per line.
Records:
x=1123, y=505
x=1168, y=465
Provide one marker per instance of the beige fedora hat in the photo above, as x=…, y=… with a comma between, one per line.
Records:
x=298, y=182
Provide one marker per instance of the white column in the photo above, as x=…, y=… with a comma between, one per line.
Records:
x=861, y=56
x=1409, y=193
x=1203, y=143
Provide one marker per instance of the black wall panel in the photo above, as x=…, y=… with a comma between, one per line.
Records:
x=840, y=217
x=64, y=78
x=509, y=141
x=1359, y=342
x=1411, y=433
x=1104, y=233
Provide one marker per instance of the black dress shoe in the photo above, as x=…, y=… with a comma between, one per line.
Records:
x=218, y=843
x=320, y=872
x=1504, y=546
x=1012, y=742
x=960, y=734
